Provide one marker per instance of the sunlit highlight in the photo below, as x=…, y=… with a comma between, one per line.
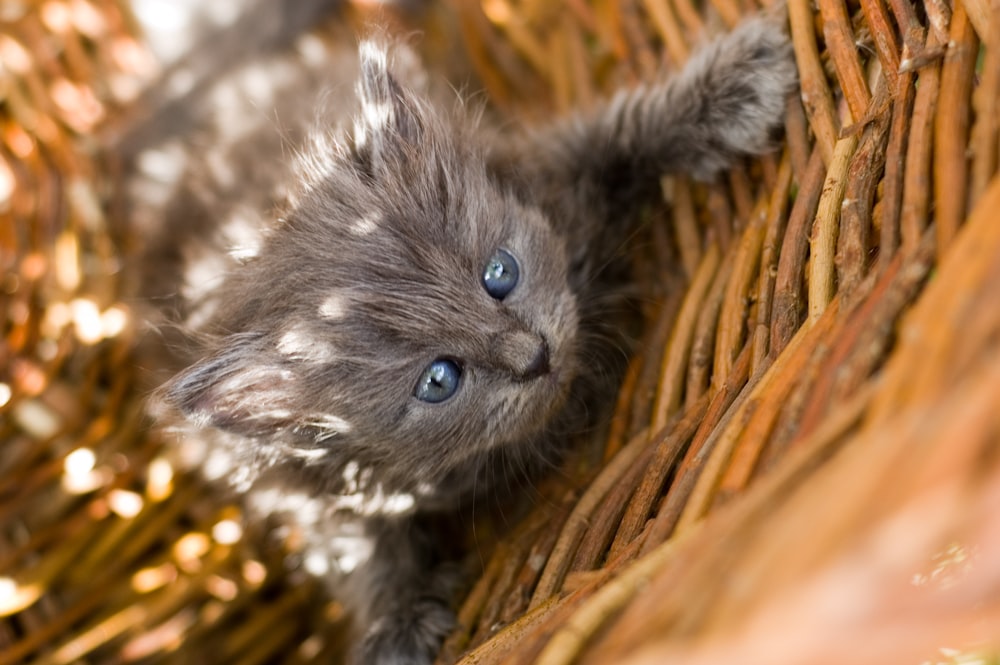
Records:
x=7, y=183
x=160, y=479
x=227, y=532
x=15, y=597
x=190, y=549
x=79, y=462
x=254, y=572
x=125, y=503
x=151, y=579
x=222, y=588
x=86, y=320
x=80, y=475
x=56, y=17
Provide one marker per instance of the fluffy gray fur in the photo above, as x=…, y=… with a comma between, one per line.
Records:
x=362, y=264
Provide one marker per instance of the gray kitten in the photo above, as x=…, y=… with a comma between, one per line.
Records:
x=407, y=305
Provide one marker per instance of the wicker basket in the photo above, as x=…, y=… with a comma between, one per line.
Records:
x=803, y=464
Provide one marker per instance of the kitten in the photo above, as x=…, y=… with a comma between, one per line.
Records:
x=408, y=305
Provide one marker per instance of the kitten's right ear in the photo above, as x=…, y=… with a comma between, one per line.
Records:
x=389, y=114
x=243, y=388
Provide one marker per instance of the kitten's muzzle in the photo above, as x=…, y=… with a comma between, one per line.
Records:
x=523, y=354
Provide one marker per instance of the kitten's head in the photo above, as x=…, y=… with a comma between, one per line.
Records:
x=407, y=312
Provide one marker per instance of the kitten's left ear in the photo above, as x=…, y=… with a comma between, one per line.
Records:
x=389, y=113
x=241, y=388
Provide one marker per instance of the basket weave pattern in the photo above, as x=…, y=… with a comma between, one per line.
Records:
x=802, y=465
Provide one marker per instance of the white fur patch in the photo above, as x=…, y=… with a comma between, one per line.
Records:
x=271, y=414
x=316, y=563
x=365, y=226
x=376, y=502
x=298, y=343
x=333, y=307
x=351, y=551
x=376, y=108
x=220, y=463
x=372, y=52
x=243, y=253
x=259, y=85
x=329, y=423
x=362, y=497
x=319, y=158
x=203, y=273
x=355, y=480
x=377, y=115
x=360, y=134
x=164, y=164
x=306, y=509
x=312, y=50
x=242, y=234
x=308, y=454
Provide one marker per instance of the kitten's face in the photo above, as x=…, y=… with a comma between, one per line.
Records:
x=406, y=313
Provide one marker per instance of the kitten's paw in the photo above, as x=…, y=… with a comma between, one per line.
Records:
x=407, y=637
x=748, y=76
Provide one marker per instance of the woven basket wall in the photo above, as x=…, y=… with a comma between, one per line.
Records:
x=803, y=464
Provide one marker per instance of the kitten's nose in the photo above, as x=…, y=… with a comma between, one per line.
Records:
x=523, y=354
x=539, y=365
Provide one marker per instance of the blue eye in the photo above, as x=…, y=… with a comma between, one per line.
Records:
x=439, y=381
x=500, y=274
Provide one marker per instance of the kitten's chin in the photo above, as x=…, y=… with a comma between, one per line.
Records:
x=548, y=395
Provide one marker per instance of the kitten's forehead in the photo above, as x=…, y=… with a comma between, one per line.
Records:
x=409, y=237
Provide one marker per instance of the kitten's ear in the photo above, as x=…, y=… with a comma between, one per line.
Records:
x=389, y=114
x=244, y=388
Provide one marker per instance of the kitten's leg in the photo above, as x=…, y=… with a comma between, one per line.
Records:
x=402, y=595
x=728, y=101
